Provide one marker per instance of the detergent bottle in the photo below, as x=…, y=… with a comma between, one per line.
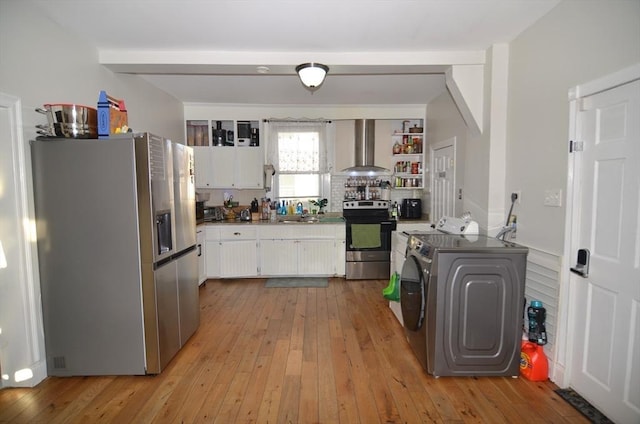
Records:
x=534, y=365
x=537, y=315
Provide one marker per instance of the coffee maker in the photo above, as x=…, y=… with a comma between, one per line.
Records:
x=219, y=135
x=411, y=209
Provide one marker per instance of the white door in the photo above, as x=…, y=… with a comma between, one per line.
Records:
x=605, y=366
x=443, y=177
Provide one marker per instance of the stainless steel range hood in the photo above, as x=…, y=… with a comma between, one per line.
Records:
x=365, y=148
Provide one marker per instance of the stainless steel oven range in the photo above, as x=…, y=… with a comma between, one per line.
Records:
x=368, y=239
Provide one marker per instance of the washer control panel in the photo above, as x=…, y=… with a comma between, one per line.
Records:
x=453, y=225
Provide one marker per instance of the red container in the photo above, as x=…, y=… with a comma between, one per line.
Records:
x=533, y=362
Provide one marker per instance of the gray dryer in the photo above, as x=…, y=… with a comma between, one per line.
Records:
x=462, y=299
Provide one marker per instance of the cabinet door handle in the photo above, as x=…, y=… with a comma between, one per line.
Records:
x=199, y=250
x=236, y=233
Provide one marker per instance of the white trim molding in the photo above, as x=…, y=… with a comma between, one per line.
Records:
x=22, y=348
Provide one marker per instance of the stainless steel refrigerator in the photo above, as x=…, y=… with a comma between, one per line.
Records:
x=116, y=237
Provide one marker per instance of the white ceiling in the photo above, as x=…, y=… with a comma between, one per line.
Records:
x=378, y=51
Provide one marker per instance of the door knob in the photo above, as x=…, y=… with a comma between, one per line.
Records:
x=582, y=265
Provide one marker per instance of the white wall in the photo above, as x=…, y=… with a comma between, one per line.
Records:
x=40, y=63
x=444, y=121
x=480, y=161
x=576, y=42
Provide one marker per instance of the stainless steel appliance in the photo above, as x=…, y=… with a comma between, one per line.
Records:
x=255, y=137
x=365, y=144
x=200, y=212
x=117, y=252
x=461, y=298
x=368, y=238
x=220, y=135
x=411, y=209
x=244, y=133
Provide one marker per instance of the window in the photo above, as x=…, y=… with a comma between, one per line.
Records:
x=299, y=164
x=298, y=152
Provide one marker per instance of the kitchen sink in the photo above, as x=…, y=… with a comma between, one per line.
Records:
x=297, y=219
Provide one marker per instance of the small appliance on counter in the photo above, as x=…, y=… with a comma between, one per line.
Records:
x=213, y=213
x=199, y=211
x=411, y=209
x=245, y=215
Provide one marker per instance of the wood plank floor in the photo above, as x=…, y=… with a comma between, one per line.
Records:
x=290, y=355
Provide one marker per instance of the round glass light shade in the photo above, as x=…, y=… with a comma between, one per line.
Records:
x=312, y=74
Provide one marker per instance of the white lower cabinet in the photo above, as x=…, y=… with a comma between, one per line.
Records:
x=212, y=251
x=398, y=248
x=341, y=264
x=316, y=257
x=278, y=257
x=278, y=250
x=238, y=251
x=306, y=250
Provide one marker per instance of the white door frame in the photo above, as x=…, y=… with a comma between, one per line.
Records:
x=566, y=310
x=22, y=336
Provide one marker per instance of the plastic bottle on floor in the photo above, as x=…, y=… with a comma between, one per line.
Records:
x=534, y=365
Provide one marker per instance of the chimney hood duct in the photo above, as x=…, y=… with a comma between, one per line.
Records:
x=365, y=149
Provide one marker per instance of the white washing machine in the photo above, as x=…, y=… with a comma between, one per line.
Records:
x=462, y=298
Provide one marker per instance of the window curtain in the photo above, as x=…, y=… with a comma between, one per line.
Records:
x=325, y=129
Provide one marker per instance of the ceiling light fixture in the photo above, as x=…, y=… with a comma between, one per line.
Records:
x=312, y=74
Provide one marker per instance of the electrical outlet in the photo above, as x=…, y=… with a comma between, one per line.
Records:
x=518, y=193
x=553, y=197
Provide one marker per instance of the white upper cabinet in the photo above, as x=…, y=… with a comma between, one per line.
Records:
x=228, y=153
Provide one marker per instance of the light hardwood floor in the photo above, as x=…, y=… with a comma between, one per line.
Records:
x=301, y=355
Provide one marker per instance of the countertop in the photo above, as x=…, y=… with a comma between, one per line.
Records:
x=403, y=224
x=326, y=219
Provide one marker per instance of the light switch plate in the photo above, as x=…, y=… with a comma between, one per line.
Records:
x=553, y=197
